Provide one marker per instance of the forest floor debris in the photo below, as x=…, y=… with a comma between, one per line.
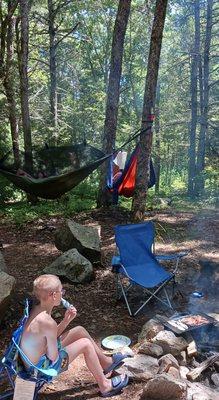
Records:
x=30, y=248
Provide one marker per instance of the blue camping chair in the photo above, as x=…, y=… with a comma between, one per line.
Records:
x=137, y=262
x=11, y=365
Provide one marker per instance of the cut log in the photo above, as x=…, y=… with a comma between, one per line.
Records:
x=193, y=375
x=191, y=349
x=24, y=390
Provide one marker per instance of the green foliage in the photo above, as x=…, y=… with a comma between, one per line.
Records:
x=83, y=60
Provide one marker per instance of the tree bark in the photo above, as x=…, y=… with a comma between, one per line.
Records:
x=53, y=71
x=112, y=102
x=7, y=70
x=194, y=102
x=200, y=165
x=157, y=141
x=140, y=194
x=3, y=32
x=24, y=86
x=10, y=91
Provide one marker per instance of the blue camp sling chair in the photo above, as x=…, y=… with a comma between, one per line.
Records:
x=137, y=262
x=11, y=364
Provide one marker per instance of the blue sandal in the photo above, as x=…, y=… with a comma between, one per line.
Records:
x=117, y=385
x=117, y=362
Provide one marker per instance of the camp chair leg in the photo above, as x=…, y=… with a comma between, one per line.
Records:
x=119, y=293
x=177, y=265
x=125, y=297
x=4, y=372
x=167, y=303
x=167, y=297
x=6, y=395
x=37, y=389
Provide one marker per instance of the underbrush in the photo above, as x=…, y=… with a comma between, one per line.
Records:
x=83, y=198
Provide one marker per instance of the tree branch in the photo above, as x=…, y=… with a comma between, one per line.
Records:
x=41, y=61
x=60, y=5
x=67, y=34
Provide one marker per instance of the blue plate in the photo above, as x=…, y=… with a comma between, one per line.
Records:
x=115, y=342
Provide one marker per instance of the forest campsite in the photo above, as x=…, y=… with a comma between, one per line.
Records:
x=109, y=216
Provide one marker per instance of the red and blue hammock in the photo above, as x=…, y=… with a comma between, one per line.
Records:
x=124, y=185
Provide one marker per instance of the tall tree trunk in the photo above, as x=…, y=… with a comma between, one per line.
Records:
x=23, y=66
x=112, y=102
x=3, y=33
x=194, y=101
x=140, y=194
x=157, y=141
x=53, y=71
x=9, y=89
x=200, y=182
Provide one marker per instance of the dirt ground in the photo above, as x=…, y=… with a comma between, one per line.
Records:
x=28, y=249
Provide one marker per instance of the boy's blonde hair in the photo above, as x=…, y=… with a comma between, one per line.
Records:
x=45, y=284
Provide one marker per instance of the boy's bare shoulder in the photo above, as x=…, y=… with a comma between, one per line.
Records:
x=46, y=321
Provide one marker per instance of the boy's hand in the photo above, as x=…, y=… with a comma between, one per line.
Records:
x=70, y=314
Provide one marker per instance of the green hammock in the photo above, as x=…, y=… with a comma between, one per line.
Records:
x=54, y=186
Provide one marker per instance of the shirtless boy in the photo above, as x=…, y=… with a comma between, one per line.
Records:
x=43, y=337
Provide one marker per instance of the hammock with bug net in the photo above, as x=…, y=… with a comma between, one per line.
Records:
x=56, y=170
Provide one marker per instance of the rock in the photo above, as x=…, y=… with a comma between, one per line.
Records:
x=215, y=379
x=2, y=263
x=170, y=342
x=216, y=366
x=174, y=372
x=125, y=350
x=164, y=387
x=140, y=368
x=183, y=371
x=73, y=266
x=166, y=362
x=83, y=238
x=7, y=283
x=150, y=329
x=182, y=358
x=200, y=396
x=198, y=391
x=150, y=349
x=164, y=202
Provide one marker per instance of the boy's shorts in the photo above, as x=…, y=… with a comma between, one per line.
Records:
x=60, y=364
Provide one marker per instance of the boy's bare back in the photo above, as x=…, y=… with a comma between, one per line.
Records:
x=34, y=338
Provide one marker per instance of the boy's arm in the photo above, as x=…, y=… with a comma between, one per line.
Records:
x=61, y=327
x=51, y=330
x=70, y=314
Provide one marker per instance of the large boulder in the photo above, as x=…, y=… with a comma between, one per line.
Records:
x=83, y=238
x=167, y=361
x=7, y=283
x=2, y=263
x=170, y=343
x=73, y=266
x=140, y=368
x=164, y=387
x=150, y=349
x=150, y=329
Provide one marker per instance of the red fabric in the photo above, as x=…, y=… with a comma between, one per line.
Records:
x=127, y=186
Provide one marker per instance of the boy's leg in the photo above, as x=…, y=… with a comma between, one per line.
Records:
x=79, y=333
x=84, y=346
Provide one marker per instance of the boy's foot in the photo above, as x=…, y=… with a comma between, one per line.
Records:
x=117, y=384
x=117, y=361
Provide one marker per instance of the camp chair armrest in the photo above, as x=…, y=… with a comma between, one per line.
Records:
x=116, y=264
x=116, y=268
x=169, y=257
